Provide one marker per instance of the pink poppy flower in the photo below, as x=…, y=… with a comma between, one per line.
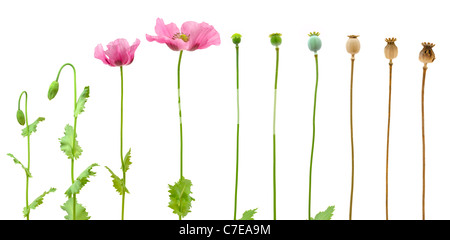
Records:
x=119, y=52
x=192, y=36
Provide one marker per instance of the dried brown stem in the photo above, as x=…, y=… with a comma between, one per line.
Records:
x=423, y=142
x=351, y=136
x=388, y=130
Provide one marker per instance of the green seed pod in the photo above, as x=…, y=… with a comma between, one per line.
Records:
x=275, y=39
x=236, y=38
x=20, y=117
x=53, y=90
x=314, y=42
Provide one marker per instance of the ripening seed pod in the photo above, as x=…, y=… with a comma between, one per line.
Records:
x=353, y=45
x=53, y=90
x=20, y=117
x=275, y=39
x=236, y=38
x=314, y=42
x=427, y=54
x=391, y=50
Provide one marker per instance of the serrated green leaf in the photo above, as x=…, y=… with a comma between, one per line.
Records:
x=180, y=199
x=118, y=183
x=325, y=215
x=79, y=183
x=38, y=201
x=31, y=127
x=67, y=143
x=80, y=211
x=126, y=161
x=27, y=171
x=79, y=108
x=248, y=215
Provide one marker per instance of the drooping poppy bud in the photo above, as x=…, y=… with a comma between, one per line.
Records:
x=53, y=90
x=314, y=42
x=20, y=117
x=275, y=39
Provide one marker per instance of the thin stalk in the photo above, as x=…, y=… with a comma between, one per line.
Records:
x=121, y=139
x=74, y=130
x=181, y=125
x=274, y=145
x=423, y=141
x=72, y=165
x=237, y=133
x=351, y=137
x=388, y=130
x=28, y=146
x=314, y=135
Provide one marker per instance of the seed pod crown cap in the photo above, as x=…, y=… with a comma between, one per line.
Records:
x=314, y=42
x=275, y=39
x=236, y=38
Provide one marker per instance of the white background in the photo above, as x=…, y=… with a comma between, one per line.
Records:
x=37, y=37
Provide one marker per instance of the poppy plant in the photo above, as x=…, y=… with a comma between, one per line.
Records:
x=390, y=52
x=353, y=46
x=119, y=54
x=191, y=37
x=275, y=40
x=22, y=119
x=69, y=145
x=426, y=56
x=314, y=44
x=248, y=215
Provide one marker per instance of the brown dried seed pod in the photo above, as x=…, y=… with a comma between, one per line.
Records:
x=427, y=54
x=353, y=44
x=391, y=50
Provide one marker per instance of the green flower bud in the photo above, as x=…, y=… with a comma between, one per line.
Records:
x=53, y=90
x=20, y=117
x=236, y=38
x=314, y=42
x=275, y=39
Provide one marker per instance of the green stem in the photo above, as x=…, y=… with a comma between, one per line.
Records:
x=121, y=139
x=74, y=129
x=28, y=145
x=237, y=134
x=181, y=125
x=179, y=110
x=314, y=134
x=274, y=148
x=72, y=165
